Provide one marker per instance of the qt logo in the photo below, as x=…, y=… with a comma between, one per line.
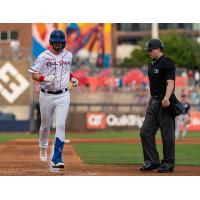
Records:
x=96, y=120
x=9, y=89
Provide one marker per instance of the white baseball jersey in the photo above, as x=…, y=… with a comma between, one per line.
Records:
x=47, y=63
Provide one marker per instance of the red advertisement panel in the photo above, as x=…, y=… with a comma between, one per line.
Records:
x=194, y=121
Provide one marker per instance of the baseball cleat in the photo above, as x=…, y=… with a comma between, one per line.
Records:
x=58, y=165
x=149, y=167
x=43, y=154
x=57, y=154
x=165, y=169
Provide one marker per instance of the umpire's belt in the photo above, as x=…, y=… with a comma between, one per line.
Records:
x=156, y=97
x=54, y=92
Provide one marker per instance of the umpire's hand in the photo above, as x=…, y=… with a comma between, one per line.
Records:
x=165, y=102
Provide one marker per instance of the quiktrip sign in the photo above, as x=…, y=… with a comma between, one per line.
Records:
x=100, y=120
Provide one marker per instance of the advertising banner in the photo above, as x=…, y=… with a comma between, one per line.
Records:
x=194, y=121
x=100, y=120
x=96, y=120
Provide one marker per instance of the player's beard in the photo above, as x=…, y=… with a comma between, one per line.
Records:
x=57, y=48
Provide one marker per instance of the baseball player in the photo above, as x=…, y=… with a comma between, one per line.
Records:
x=52, y=69
x=183, y=119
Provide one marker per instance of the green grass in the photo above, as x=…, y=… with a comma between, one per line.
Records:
x=188, y=154
x=107, y=153
x=99, y=134
x=10, y=137
x=131, y=153
x=105, y=134
x=119, y=134
x=193, y=135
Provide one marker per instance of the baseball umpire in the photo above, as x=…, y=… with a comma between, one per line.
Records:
x=161, y=73
x=52, y=69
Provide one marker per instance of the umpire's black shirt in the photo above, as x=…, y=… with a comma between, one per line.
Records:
x=159, y=71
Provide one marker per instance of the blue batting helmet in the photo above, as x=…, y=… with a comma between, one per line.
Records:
x=57, y=36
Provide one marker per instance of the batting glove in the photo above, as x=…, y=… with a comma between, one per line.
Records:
x=49, y=78
x=74, y=82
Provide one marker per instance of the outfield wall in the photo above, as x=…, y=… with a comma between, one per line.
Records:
x=89, y=121
x=103, y=121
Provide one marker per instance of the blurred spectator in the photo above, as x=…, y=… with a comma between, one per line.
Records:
x=144, y=86
x=185, y=91
x=145, y=69
x=7, y=116
x=184, y=74
x=190, y=77
x=15, y=47
x=119, y=82
x=197, y=78
x=144, y=95
x=195, y=98
x=190, y=74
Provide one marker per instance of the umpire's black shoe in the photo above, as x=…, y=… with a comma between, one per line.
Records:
x=165, y=169
x=149, y=167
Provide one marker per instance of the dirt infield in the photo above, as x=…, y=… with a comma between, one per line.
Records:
x=21, y=158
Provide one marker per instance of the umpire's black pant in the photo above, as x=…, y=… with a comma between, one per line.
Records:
x=156, y=117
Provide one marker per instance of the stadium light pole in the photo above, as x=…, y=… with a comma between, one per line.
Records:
x=155, y=30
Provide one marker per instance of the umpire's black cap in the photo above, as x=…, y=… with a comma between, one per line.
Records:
x=153, y=44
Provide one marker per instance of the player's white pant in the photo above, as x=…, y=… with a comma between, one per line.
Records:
x=49, y=103
x=181, y=120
